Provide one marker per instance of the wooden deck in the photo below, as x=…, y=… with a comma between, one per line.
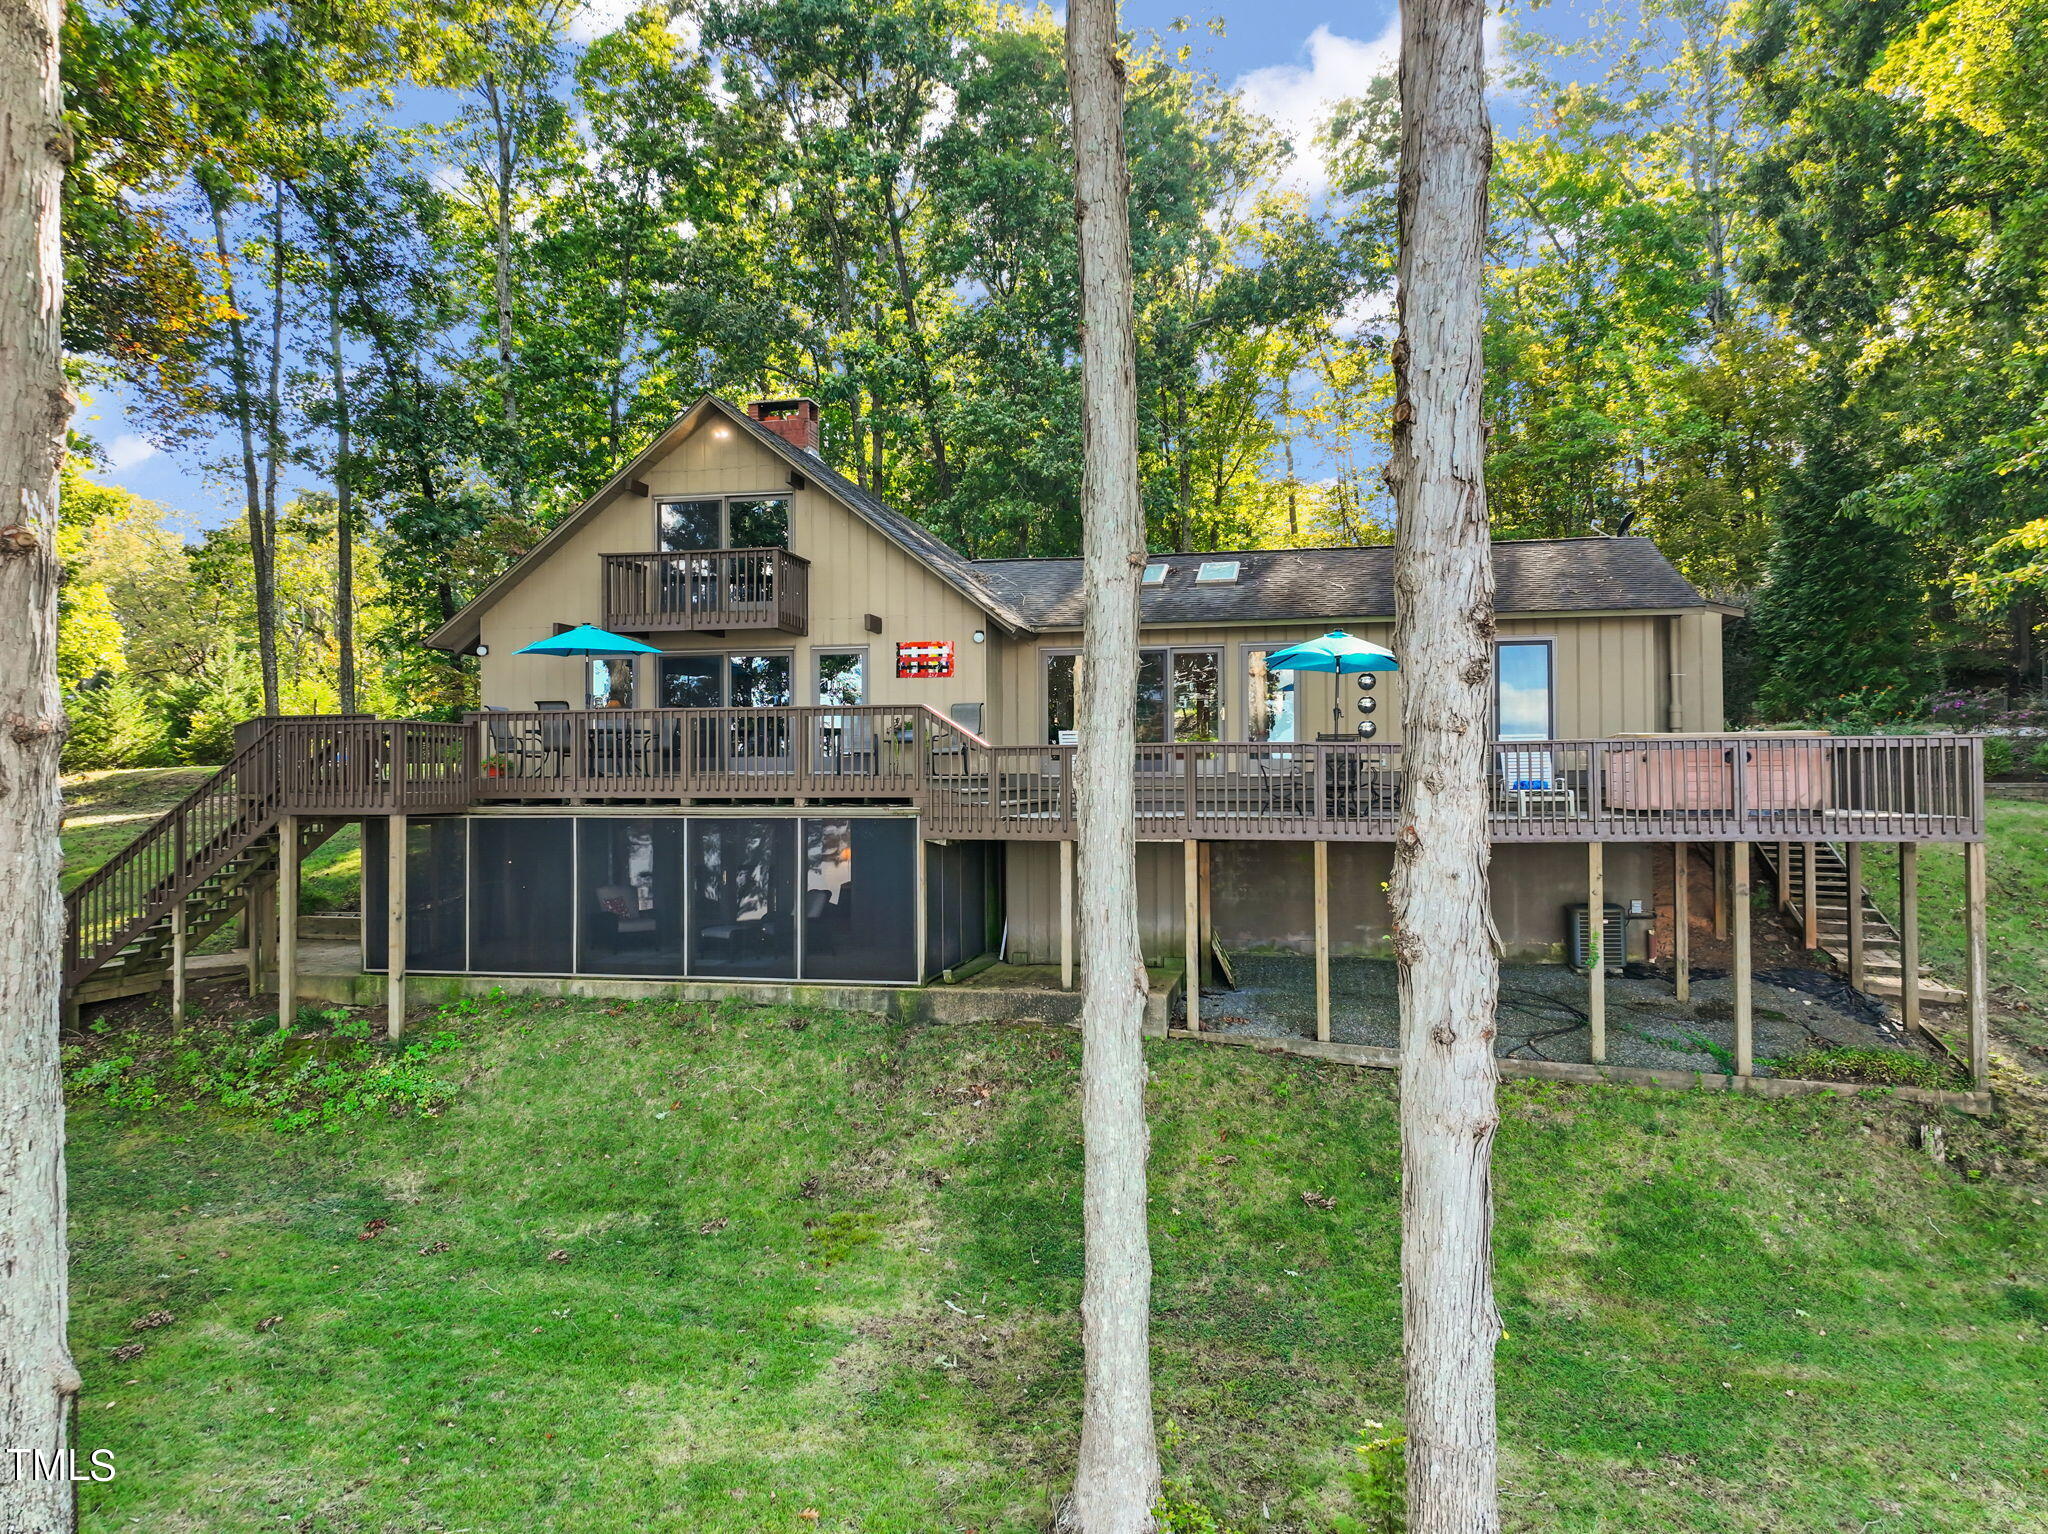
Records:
x=1684, y=788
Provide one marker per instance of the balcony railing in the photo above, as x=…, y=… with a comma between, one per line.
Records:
x=707, y=590
x=1698, y=788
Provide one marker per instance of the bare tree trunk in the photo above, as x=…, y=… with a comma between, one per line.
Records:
x=344, y=513
x=502, y=174
x=245, y=426
x=1116, y=1480
x=1444, y=936
x=273, y=452
x=38, y=1383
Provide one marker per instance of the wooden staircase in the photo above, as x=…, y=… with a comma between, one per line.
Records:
x=1883, y=960
x=204, y=858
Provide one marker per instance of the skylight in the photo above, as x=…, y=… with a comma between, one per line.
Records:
x=1155, y=575
x=1216, y=572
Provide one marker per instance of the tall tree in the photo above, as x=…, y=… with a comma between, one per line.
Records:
x=38, y=1382
x=1116, y=1479
x=1443, y=926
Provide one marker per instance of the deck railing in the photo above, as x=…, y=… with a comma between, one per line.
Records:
x=708, y=589
x=1702, y=788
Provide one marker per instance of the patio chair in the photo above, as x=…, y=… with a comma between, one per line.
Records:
x=1530, y=779
x=514, y=745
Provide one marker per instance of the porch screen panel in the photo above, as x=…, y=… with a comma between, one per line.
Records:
x=743, y=898
x=630, y=896
x=436, y=893
x=859, y=899
x=958, y=903
x=522, y=895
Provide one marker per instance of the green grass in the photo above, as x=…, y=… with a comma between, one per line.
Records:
x=830, y=1263
x=105, y=811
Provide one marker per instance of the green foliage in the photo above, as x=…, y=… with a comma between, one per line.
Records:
x=206, y=708
x=1998, y=756
x=113, y=724
x=1378, y=1485
x=2037, y=757
x=321, y=1071
x=1877, y=1067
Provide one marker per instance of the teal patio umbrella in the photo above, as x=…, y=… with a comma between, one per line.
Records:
x=1338, y=653
x=587, y=639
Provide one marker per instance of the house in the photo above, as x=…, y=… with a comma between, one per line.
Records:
x=848, y=756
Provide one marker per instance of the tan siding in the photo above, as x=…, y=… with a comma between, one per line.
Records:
x=1262, y=897
x=854, y=571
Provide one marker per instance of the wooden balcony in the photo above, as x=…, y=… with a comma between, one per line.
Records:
x=1693, y=788
x=708, y=591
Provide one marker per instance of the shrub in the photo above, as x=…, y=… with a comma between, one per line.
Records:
x=318, y=1077
x=1998, y=755
x=1379, y=1485
x=113, y=723
x=2038, y=758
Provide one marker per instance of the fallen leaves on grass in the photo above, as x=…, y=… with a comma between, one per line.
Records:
x=374, y=1228
x=268, y=1322
x=1318, y=1200
x=128, y=1350
x=559, y=1254
x=149, y=1322
x=713, y=1227
x=433, y=1247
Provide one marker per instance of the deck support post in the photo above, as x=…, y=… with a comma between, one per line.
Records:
x=1978, y=978
x=1784, y=876
x=1681, y=921
x=255, y=929
x=1909, y=936
x=287, y=918
x=1066, y=915
x=1853, y=902
x=1721, y=861
x=1810, y=900
x=1739, y=964
x=394, y=929
x=923, y=917
x=1191, y=921
x=1322, y=941
x=179, y=946
x=1596, y=948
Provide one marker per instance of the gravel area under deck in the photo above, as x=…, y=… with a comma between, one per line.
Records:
x=1543, y=1014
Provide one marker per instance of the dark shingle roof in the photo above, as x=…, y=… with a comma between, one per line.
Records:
x=1533, y=576
x=916, y=540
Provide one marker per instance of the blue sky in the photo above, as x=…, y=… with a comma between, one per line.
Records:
x=1289, y=57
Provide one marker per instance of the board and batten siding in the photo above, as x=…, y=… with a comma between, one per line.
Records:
x=854, y=571
x=1263, y=897
x=1614, y=673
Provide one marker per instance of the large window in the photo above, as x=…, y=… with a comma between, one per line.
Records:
x=1179, y=694
x=1269, y=698
x=1525, y=706
x=737, y=522
x=712, y=680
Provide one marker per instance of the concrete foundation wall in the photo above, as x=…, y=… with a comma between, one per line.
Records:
x=1262, y=897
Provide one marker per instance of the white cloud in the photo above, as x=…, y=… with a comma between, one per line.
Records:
x=1297, y=96
x=126, y=451
x=592, y=19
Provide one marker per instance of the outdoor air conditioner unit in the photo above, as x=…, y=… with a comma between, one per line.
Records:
x=1614, y=947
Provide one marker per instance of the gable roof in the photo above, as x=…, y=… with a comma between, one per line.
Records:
x=947, y=563
x=1537, y=575
x=1284, y=585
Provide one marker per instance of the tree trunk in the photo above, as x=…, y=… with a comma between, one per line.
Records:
x=502, y=174
x=344, y=514
x=1116, y=1479
x=38, y=1384
x=260, y=567
x=1444, y=938
x=273, y=452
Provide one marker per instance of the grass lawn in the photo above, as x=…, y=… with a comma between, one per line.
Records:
x=661, y=1267
x=105, y=811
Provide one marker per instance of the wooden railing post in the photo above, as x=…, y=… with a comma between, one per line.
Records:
x=398, y=766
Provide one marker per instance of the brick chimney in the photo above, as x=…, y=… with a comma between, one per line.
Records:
x=795, y=421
